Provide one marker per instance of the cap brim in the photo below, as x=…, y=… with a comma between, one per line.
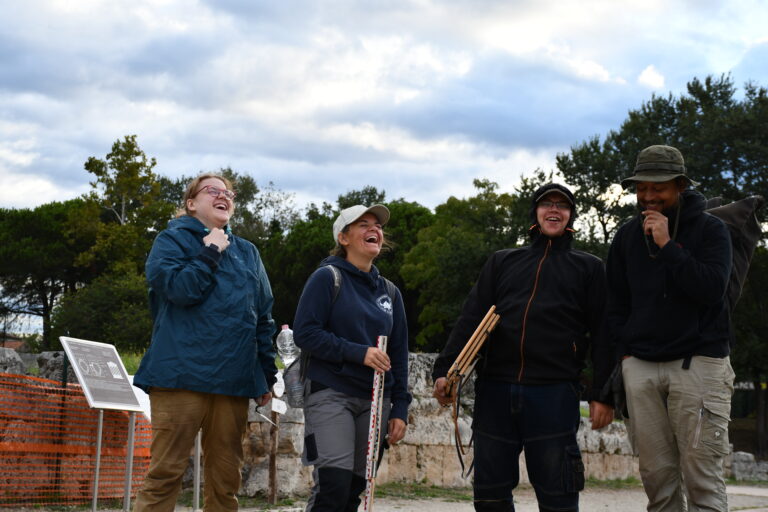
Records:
x=554, y=191
x=656, y=178
x=380, y=211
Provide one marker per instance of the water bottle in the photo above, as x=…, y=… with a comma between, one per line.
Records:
x=289, y=353
x=286, y=347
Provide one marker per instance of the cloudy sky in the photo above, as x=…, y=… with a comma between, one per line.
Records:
x=320, y=97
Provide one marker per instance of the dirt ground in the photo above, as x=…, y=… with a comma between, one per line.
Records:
x=741, y=498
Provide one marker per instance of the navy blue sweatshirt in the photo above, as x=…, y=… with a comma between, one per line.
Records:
x=338, y=334
x=671, y=306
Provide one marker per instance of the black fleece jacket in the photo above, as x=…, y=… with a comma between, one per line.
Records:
x=551, y=300
x=671, y=306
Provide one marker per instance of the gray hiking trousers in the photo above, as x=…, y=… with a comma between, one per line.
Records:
x=336, y=438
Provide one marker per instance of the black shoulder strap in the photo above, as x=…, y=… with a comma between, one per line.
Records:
x=305, y=355
x=391, y=289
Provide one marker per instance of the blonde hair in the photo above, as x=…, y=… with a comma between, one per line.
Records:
x=194, y=185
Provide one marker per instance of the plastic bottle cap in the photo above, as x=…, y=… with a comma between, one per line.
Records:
x=285, y=326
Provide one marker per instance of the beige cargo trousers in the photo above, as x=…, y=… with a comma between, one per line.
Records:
x=678, y=425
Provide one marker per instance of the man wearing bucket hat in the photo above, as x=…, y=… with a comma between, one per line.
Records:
x=668, y=270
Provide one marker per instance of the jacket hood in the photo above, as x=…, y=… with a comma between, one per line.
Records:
x=191, y=223
x=542, y=191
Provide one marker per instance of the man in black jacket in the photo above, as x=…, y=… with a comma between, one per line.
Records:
x=551, y=301
x=668, y=271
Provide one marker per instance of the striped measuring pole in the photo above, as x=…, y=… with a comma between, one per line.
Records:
x=374, y=431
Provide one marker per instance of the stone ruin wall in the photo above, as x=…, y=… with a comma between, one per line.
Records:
x=427, y=454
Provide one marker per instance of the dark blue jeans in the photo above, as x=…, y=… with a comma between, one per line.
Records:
x=542, y=421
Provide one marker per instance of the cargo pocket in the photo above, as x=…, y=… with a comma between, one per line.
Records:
x=714, y=425
x=573, y=470
x=310, y=448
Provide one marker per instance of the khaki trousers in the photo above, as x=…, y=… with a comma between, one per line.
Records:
x=177, y=416
x=678, y=425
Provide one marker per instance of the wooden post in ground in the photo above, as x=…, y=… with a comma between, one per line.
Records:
x=273, y=432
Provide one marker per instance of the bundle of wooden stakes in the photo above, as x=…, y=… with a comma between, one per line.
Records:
x=462, y=368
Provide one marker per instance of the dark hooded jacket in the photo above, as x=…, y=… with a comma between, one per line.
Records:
x=212, y=315
x=551, y=300
x=671, y=306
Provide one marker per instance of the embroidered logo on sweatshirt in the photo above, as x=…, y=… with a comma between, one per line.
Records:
x=385, y=304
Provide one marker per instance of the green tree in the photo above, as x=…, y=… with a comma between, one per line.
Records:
x=720, y=136
x=450, y=252
x=132, y=207
x=290, y=258
x=111, y=309
x=125, y=185
x=124, y=212
x=38, y=253
x=406, y=221
x=367, y=196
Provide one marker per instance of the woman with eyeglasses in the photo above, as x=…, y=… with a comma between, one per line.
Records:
x=211, y=347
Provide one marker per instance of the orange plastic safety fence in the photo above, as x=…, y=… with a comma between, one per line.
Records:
x=48, y=445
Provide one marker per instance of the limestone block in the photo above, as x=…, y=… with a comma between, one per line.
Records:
x=612, y=438
x=400, y=464
x=745, y=467
x=51, y=366
x=292, y=477
x=11, y=362
x=603, y=466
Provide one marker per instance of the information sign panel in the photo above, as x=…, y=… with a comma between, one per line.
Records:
x=102, y=375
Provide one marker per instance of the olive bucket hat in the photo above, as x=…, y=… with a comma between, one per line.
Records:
x=658, y=164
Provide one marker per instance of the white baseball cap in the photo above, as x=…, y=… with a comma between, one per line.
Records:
x=351, y=214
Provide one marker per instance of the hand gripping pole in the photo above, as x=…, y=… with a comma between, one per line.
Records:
x=462, y=368
x=374, y=432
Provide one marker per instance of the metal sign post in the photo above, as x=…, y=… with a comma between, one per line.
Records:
x=99, y=431
x=106, y=385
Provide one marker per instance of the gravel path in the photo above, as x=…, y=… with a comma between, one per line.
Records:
x=744, y=499
x=741, y=498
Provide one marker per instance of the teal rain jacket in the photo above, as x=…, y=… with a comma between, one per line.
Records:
x=212, y=315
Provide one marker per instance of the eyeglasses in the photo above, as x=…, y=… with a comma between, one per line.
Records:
x=216, y=192
x=560, y=205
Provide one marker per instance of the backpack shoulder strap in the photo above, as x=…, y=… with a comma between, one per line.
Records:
x=305, y=355
x=391, y=289
x=336, y=281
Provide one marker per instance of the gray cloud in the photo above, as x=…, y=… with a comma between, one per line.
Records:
x=323, y=97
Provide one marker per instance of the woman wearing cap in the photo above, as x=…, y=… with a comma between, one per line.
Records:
x=343, y=309
x=211, y=346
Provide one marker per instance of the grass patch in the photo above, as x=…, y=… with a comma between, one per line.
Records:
x=258, y=501
x=623, y=483
x=131, y=362
x=750, y=483
x=422, y=491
